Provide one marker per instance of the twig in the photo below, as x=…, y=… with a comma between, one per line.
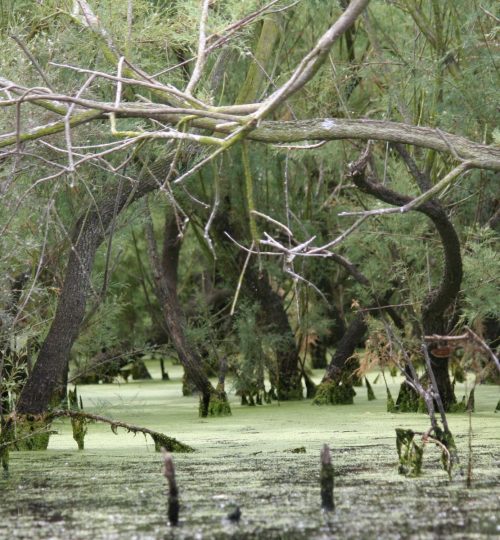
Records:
x=240, y=279
x=490, y=14
x=300, y=146
x=273, y=221
x=310, y=64
x=485, y=346
x=33, y=60
x=226, y=35
x=427, y=438
x=202, y=40
x=468, y=336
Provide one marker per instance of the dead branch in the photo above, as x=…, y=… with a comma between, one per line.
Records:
x=160, y=440
x=469, y=335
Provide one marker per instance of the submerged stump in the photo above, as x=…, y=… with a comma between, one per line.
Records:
x=369, y=389
x=326, y=480
x=173, y=491
x=410, y=454
x=331, y=392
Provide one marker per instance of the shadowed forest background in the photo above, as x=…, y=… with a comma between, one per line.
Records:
x=249, y=231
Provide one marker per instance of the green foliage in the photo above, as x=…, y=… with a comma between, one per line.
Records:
x=481, y=276
x=14, y=373
x=409, y=400
x=496, y=135
x=29, y=433
x=444, y=78
x=252, y=360
x=219, y=406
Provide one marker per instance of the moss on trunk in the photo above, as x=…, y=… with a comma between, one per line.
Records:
x=408, y=400
x=27, y=432
x=334, y=393
x=214, y=404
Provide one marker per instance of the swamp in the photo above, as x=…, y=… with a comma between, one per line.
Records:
x=249, y=269
x=264, y=460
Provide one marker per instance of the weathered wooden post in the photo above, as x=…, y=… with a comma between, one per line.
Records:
x=173, y=492
x=326, y=479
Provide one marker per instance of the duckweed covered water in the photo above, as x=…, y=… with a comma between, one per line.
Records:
x=114, y=488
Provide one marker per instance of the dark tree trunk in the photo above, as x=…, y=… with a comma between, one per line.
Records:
x=49, y=374
x=212, y=401
x=354, y=334
x=336, y=388
x=336, y=330
x=434, y=320
x=338, y=370
x=272, y=314
x=275, y=320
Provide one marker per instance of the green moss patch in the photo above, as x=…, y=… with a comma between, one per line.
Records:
x=334, y=393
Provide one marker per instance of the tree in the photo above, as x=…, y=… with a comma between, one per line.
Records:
x=133, y=115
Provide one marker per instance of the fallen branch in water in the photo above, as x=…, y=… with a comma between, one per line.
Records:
x=160, y=440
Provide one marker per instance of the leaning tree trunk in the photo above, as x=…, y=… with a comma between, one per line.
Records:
x=213, y=401
x=336, y=387
x=49, y=373
x=435, y=305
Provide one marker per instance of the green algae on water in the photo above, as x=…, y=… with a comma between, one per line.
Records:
x=113, y=489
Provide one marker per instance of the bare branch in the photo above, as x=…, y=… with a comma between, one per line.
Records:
x=202, y=41
x=33, y=60
x=417, y=201
x=273, y=221
x=240, y=279
x=469, y=335
x=313, y=60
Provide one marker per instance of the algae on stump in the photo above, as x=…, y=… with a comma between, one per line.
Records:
x=369, y=389
x=29, y=432
x=216, y=405
x=334, y=393
x=410, y=454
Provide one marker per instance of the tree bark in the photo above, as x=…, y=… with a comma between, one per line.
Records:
x=48, y=375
